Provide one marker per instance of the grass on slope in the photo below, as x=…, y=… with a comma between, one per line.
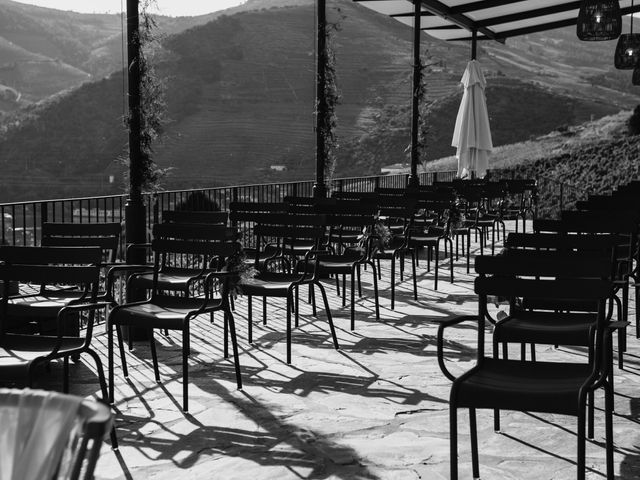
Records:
x=592, y=158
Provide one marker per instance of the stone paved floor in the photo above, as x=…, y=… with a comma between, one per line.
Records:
x=375, y=409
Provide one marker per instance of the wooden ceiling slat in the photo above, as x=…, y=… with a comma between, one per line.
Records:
x=458, y=17
x=538, y=12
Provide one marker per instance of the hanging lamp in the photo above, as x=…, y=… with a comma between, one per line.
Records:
x=628, y=48
x=599, y=20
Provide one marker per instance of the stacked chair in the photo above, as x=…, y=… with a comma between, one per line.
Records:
x=286, y=248
x=537, y=386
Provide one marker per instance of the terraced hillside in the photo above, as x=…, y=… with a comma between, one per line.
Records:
x=240, y=98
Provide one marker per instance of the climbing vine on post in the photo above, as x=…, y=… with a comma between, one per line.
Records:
x=424, y=128
x=327, y=124
x=152, y=101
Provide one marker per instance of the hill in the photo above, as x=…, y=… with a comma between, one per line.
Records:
x=240, y=98
x=44, y=51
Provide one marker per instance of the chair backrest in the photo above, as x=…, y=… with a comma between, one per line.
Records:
x=192, y=246
x=194, y=216
x=71, y=444
x=601, y=221
x=546, y=276
x=371, y=196
x=104, y=235
x=50, y=266
x=562, y=242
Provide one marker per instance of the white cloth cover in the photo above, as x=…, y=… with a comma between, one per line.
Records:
x=472, y=133
x=36, y=426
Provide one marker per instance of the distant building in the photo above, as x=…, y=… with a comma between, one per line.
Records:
x=278, y=168
x=395, y=169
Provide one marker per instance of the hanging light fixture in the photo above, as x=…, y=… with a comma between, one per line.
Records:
x=628, y=48
x=599, y=20
x=635, y=78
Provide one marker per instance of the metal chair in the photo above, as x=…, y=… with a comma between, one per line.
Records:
x=551, y=387
x=172, y=312
x=72, y=442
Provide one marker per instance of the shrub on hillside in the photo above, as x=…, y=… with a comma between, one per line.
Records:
x=634, y=122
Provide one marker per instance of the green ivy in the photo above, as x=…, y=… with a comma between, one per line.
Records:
x=152, y=99
x=327, y=125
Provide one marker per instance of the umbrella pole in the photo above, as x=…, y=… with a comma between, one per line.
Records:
x=474, y=52
x=474, y=43
x=414, y=181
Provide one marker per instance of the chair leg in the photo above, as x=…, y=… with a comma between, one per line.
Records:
x=312, y=294
x=288, y=328
x=474, y=443
x=65, y=375
x=393, y=282
x=448, y=240
x=249, y=319
x=496, y=412
x=264, y=310
x=591, y=417
x=359, y=281
x=379, y=270
x=297, y=306
x=413, y=271
x=110, y=360
x=123, y=357
x=234, y=346
x=468, y=250
x=225, y=335
x=453, y=440
x=437, y=255
x=154, y=355
x=376, y=300
x=353, y=299
x=608, y=415
x=329, y=316
x=344, y=289
x=581, y=460
x=104, y=390
x=186, y=347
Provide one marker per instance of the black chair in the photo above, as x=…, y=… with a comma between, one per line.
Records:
x=433, y=231
x=22, y=354
x=348, y=259
x=551, y=387
x=173, y=312
x=290, y=267
x=395, y=216
x=76, y=452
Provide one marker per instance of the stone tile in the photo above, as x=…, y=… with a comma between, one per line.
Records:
x=375, y=409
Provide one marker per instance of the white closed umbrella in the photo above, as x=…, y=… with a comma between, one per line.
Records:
x=472, y=134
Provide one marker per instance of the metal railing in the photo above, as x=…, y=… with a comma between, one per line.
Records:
x=22, y=221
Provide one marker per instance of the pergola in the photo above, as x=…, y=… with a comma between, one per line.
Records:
x=449, y=20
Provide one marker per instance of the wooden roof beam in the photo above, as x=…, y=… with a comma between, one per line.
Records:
x=459, y=19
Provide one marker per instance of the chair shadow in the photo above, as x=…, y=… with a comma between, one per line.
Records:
x=310, y=454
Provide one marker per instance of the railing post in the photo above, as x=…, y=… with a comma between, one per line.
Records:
x=376, y=183
x=561, y=197
x=44, y=216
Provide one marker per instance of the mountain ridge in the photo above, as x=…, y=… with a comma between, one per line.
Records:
x=241, y=99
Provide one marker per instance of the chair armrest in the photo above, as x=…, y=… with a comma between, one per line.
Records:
x=122, y=268
x=68, y=310
x=440, y=341
x=605, y=364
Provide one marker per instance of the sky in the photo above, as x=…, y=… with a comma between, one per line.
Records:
x=166, y=7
